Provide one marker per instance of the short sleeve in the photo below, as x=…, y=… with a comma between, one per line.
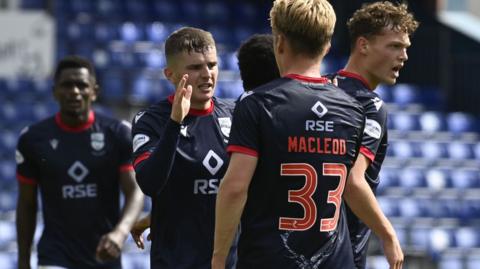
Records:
x=244, y=137
x=123, y=134
x=27, y=170
x=375, y=124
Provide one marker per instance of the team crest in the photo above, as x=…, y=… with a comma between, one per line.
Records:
x=225, y=125
x=97, y=141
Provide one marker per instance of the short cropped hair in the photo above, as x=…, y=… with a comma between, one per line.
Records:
x=188, y=39
x=74, y=61
x=256, y=61
x=307, y=24
x=371, y=19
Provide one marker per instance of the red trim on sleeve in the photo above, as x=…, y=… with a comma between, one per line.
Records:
x=125, y=168
x=243, y=150
x=367, y=152
x=26, y=180
x=347, y=74
x=141, y=158
x=196, y=112
x=307, y=79
x=76, y=129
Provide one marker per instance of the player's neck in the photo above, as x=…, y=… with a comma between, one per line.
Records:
x=302, y=66
x=355, y=66
x=201, y=105
x=76, y=120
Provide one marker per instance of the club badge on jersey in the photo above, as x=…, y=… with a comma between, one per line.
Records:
x=97, y=141
x=225, y=125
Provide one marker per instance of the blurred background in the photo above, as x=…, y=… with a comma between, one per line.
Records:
x=430, y=182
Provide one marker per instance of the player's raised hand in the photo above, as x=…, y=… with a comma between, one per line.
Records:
x=393, y=253
x=181, y=102
x=110, y=246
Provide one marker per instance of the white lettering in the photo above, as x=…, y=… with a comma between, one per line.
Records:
x=205, y=186
x=79, y=191
x=319, y=125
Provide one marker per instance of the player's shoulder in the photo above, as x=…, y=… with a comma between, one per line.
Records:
x=265, y=89
x=224, y=104
x=154, y=112
x=37, y=129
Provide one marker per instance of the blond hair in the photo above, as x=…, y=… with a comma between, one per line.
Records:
x=372, y=18
x=307, y=24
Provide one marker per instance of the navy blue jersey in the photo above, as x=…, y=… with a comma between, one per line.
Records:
x=180, y=166
x=374, y=147
x=77, y=171
x=306, y=134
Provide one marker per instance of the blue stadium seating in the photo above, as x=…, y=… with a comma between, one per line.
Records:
x=437, y=179
x=405, y=94
x=433, y=150
x=157, y=31
x=465, y=178
x=473, y=261
x=432, y=122
x=467, y=237
x=459, y=122
x=403, y=121
x=131, y=31
x=166, y=11
x=460, y=150
x=451, y=262
x=8, y=260
x=402, y=149
x=216, y=12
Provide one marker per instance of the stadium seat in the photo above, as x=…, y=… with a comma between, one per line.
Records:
x=138, y=10
x=459, y=151
x=410, y=208
x=476, y=150
x=8, y=202
x=109, y=10
x=405, y=94
x=459, y=122
x=437, y=179
x=191, y=12
x=419, y=237
x=157, y=32
x=467, y=237
x=229, y=89
x=80, y=31
x=388, y=177
x=389, y=205
x=245, y=12
x=147, y=89
x=432, y=122
x=105, y=32
x=81, y=6
x=432, y=150
x=473, y=261
x=412, y=177
x=465, y=178
x=469, y=209
x=440, y=239
x=7, y=260
x=155, y=59
x=217, y=12
x=167, y=11
x=112, y=85
x=450, y=262
x=241, y=34
x=403, y=121
x=228, y=61
x=131, y=32
x=401, y=149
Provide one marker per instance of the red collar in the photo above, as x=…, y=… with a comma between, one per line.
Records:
x=76, y=129
x=196, y=112
x=347, y=74
x=307, y=79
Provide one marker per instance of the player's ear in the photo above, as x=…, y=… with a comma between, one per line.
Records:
x=167, y=71
x=96, y=92
x=362, y=45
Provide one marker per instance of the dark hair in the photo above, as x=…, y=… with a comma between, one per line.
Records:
x=256, y=61
x=74, y=61
x=372, y=18
x=188, y=39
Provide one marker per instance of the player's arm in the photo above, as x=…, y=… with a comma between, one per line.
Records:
x=231, y=199
x=361, y=200
x=137, y=230
x=153, y=168
x=111, y=244
x=26, y=222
